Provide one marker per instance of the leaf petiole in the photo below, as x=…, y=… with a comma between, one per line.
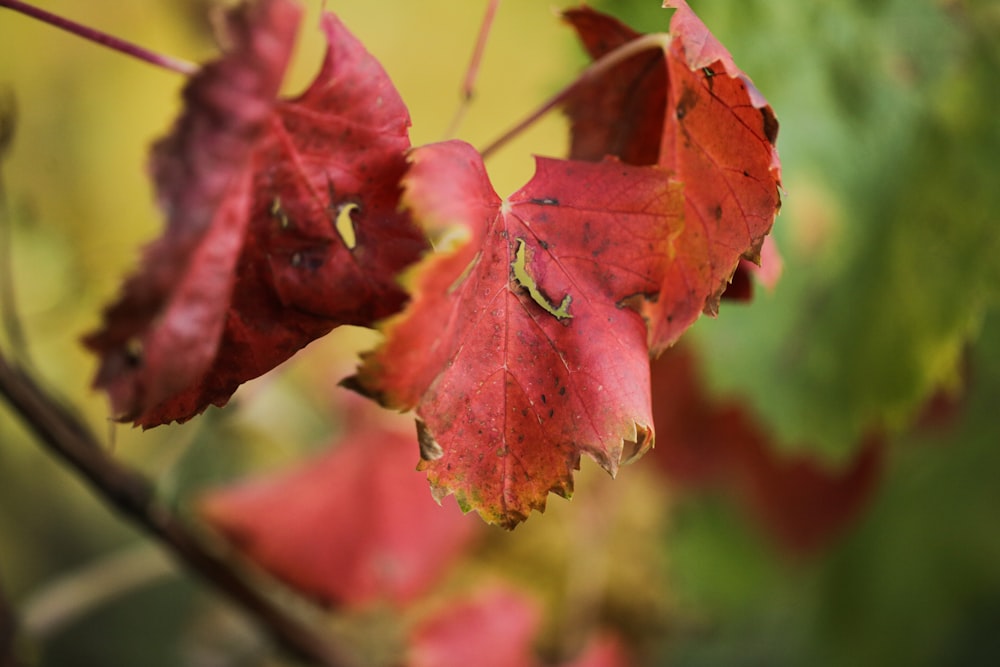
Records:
x=469, y=84
x=166, y=62
x=594, y=70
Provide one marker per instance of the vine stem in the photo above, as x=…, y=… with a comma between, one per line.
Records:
x=597, y=68
x=132, y=494
x=166, y=62
x=472, y=71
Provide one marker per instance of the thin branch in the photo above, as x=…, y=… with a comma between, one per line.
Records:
x=67, y=437
x=8, y=299
x=8, y=634
x=64, y=600
x=166, y=62
x=469, y=84
x=593, y=71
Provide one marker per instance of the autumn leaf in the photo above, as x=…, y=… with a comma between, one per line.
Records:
x=352, y=526
x=526, y=343
x=603, y=650
x=766, y=272
x=522, y=347
x=714, y=444
x=495, y=626
x=688, y=108
x=282, y=222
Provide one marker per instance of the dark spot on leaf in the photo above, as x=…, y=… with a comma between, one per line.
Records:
x=689, y=99
x=310, y=259
x=551, y=413
x=746, y=173
x=544, y=400
x=132, y=353
x=545, y=245
x=770, y=124
x=545, y=201
x=717, y=212
x=562, y=391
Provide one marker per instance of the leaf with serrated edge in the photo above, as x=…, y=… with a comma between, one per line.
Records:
x=691, y=110
x=521, y=348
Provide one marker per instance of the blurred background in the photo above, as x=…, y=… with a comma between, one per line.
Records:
x=825, y=485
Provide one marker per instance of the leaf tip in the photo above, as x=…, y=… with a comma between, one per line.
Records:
x=644, y=441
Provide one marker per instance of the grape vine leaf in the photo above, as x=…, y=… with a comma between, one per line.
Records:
x=495, y=626
x=352, y=526
x=282, y=222
x=527, y=340
x=707, y=443
x=688, y=108
x=519, y=349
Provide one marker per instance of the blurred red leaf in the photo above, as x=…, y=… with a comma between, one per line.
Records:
x=708, y=444
x=495, y=627
x=602, y=651
x=282, y=222
x=689, y=109
x=517, y=350
x=351, y=526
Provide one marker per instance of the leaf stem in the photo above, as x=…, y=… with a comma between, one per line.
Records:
x=593, y=71
x=469, y=84
x=166, y=62
x=133, y=495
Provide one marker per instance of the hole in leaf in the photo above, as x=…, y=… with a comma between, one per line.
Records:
x=345, y=224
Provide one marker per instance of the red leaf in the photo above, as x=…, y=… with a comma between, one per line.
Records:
x=526, y=342
x=768, y=271
x=711, y=444
x=352, y=526
x=283, y=222
x=689, y=109
x=494, y=628
x=622, y=112
x=519, y=350
x=602, y=651
x=163, y=332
